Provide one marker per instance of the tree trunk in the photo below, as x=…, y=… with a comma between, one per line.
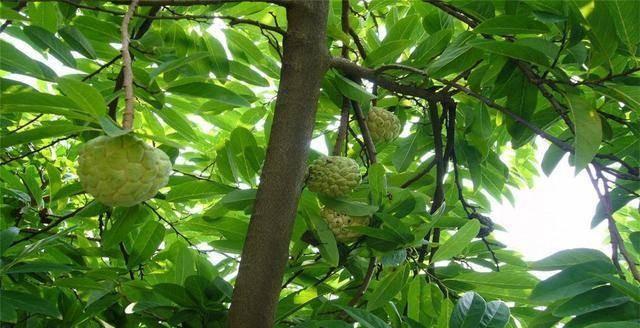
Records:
x=266, y=248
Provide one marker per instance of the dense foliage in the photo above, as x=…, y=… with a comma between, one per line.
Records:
x=474, y=85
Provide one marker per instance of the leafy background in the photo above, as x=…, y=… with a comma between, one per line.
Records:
x=567, y=68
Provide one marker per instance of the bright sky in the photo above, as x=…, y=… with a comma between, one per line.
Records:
x=554, y=215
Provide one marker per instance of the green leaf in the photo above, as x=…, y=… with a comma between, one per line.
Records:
x=178, y=122
x=78, y=41
x=29, y=303
x=551, y=158
x=588, y=130
x=13, y=60
x=569, y=257
x=616, y=324
x=628, y=94
x=31, y=178
x=622, y=286
x=521, y=100
x=508, y=24
x=96, y=29
x=496, y=315
x=388, y=288
x=431, y=47
x=7, y=237
x=193, y=190
x=245, y=73
x=387, y=52
x=175, y=64
x=123, y=221
x=592, y=300
x=619, y=197
x=175, y=293
x=79, y=283
x=210, y=91
x=239, y=199
x=348, y=207
x=145, y=243
x=454, y=245
x=352, y=90
x=328, y=247
x=44, y=15
x=49, y=131
x=423, y=301
x=405, y=28
x=217, y=56
x=625, y=15
x=512, y=50
x=377, y=183
x=571, y=281
x=468, y=311
x=502, y=279
x=42, y=103
x=46, y=40
x=84, y=95
x=602, y=35
x=364, y=318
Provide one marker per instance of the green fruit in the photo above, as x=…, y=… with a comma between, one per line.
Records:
x=334, y=176
x=122, y=171
x=339, y=223
x=384, y=126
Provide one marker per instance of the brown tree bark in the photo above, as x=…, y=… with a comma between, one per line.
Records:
x=266, y=248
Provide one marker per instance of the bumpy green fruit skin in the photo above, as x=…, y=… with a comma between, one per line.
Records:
x=334, y=176
x=339, y=223
x=384, y=126
x=122, y=171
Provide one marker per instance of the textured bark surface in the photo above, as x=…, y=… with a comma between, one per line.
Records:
x=266, y=247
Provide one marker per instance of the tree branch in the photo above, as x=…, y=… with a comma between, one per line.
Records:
x=36, y=150
x=342, y=129
x=617, y=243
x=127, y=82
x=355, y=70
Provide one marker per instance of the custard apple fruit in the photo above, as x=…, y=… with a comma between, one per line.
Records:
x=122, y=171
x=384, y=126
x=334, y=176
x=339, y=223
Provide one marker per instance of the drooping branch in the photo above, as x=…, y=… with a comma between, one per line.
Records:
x=352, y=69
x=266, y=247
x=617, y=242
x=127, y=82
x=52, y=225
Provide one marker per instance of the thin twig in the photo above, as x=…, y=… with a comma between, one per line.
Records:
x=51, y=226
x=366, y=135
x=365, y=282
x=25, y=125
x=129, y=95
x=101, y=68
x=31, y=152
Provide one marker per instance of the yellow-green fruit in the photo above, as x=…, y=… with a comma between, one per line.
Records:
x=122, y=171
x=340, y=223
x=334, y=176
x=384, y=126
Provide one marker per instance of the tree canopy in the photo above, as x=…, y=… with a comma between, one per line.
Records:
x=233, y=92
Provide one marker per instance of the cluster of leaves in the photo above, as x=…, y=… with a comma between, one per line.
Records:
x=205, y=96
